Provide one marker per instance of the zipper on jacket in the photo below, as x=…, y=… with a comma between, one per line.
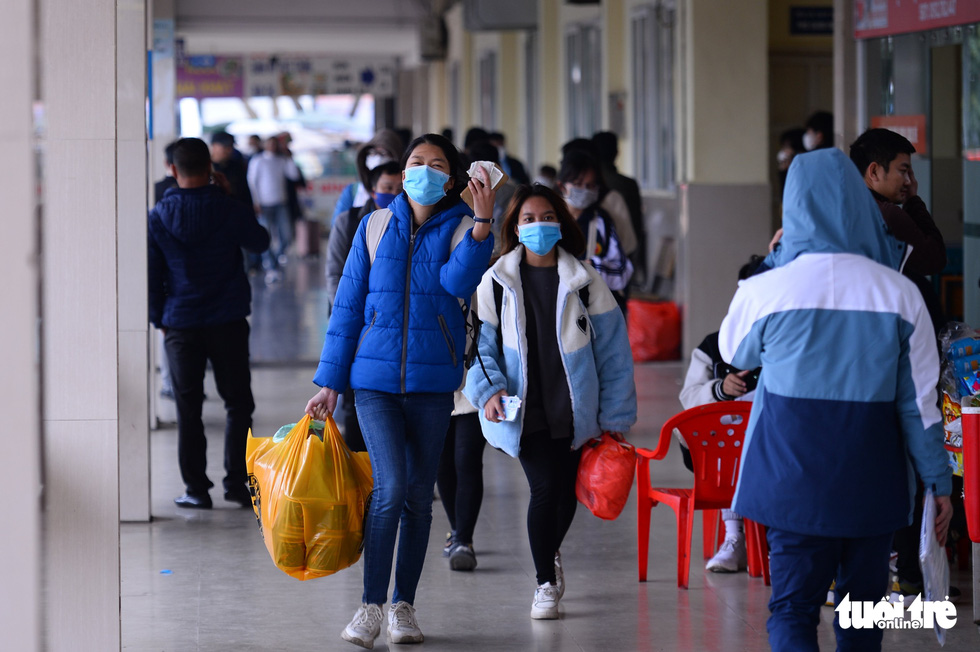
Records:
x=408, y=294
x=364, y=337
x=448, y=337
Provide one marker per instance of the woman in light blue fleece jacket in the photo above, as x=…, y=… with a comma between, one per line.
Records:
x=546, y=316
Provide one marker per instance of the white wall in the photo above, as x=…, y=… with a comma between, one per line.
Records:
x=20, y=535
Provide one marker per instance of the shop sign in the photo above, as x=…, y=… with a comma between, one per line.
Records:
x=209, y=76
x=811, y=21
x=874, y=18
x=302, y=75
x=912, y=127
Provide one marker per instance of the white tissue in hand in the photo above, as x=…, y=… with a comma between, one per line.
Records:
x=495, y=174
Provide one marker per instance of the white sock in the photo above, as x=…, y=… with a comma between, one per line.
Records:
x=733, y=528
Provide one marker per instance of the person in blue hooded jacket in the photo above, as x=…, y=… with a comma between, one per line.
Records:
x=397, y=335
x=553, y=336
x=845, y=403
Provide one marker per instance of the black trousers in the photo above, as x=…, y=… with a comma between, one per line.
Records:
x=460, y=479
x=551, y=467
x=188, y=352
x=352, y=427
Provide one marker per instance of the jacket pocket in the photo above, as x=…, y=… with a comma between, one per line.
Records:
x=364, y=337
x=446, y=335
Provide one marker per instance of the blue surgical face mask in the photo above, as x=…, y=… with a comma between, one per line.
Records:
x=578, y=197
x=539, y=237
x=382, y=199
x=425, y=185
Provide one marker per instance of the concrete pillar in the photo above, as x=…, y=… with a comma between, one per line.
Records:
x=722, y=117
x=20, y=536
x=91, y=239
x=847, y=92
x=551, y=89
x=164, y=72
x=133, y=327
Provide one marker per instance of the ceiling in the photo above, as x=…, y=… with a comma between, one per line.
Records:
x=344, y=27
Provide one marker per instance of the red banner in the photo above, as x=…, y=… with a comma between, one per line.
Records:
x=912, y=127
x=874, y=18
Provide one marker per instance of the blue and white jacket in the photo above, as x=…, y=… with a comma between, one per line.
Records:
x=846, y=402
x=598, y=363
x=397, y=324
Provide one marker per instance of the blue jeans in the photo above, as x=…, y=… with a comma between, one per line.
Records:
x=404, y=434
x=275, y=219
x=802, y=568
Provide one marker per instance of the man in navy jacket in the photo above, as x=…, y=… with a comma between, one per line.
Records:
x=200, y=296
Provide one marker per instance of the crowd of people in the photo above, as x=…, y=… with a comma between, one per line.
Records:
x=459, y=304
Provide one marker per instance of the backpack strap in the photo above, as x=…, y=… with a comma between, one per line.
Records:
x=465, y=224
x=377, y=224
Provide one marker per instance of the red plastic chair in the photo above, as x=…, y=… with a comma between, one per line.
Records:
x=714, y=434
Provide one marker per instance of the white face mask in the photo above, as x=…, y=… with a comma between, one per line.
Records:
x=782, y=156
x=374, y=160
x=809, y=141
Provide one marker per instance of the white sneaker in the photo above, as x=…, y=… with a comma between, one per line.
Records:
x=559, y=576
x=730, y=558
x=365, y=626
x=545, y=605
x=402, y=626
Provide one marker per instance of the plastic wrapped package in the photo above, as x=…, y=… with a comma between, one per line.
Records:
x=310, y=494
x=654, y=329
x=932, y=559
x=605, y=476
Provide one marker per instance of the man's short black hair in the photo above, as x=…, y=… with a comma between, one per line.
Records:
x=576, y=163
x=750, y=268
x=391, y=167
x=495, y=136
x=583, y=144
x=168, y=152
x=823, y=122
x=482, y=150
x=793, y=138
x=880, y=146
x=192, y=157
x=474, y=135
x=607, y=145
x=222, y=138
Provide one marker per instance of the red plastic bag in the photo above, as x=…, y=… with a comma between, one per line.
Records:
x=654, y=330
x=605, y=476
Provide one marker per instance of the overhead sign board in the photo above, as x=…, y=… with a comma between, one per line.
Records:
x=293, y=75
x=875, y=18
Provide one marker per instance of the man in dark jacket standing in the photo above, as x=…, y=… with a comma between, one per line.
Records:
x=200, y=297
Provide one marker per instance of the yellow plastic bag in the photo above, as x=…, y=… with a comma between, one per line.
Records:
x=309, y=493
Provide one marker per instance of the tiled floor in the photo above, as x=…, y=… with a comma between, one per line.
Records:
x=194, y=580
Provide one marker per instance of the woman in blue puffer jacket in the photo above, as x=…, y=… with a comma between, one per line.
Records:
x=396, y=336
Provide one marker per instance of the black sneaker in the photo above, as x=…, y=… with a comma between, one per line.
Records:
x=462, y=557
x=241, y=496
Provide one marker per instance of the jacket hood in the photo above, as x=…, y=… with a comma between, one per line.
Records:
x=187, y=221
x=827, y=208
